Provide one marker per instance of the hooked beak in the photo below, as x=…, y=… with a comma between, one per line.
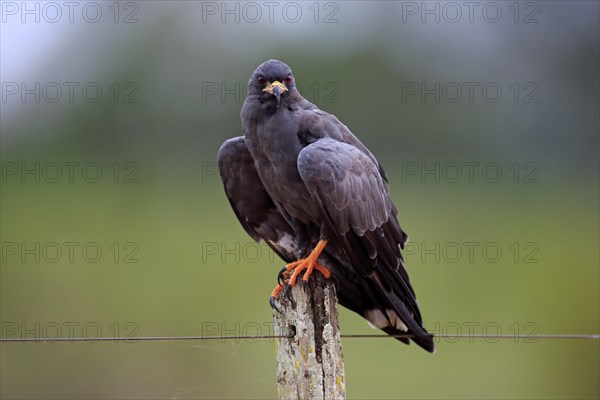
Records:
x=276, y=89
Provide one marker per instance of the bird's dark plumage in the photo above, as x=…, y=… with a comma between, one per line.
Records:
x=298, y=176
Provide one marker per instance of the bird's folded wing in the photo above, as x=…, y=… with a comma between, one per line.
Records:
x=347, y=183
x=354, y=199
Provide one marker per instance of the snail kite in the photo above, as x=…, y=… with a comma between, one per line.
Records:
x=302, y=182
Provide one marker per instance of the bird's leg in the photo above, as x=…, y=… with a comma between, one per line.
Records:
x=289, y=274
x=309, y=263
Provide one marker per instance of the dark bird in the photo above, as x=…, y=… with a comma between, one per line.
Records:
x=302, y=182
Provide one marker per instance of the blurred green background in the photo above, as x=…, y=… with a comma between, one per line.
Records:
x=175, y=261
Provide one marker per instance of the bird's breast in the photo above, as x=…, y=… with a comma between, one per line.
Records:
x=274, y=145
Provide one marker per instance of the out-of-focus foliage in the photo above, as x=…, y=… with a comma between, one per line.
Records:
x=515, y=252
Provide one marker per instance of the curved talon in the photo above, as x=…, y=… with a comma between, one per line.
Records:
x=273, y=305
x=275, y=295
x=284, y=273
x=281, y=275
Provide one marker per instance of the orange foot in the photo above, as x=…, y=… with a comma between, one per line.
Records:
x=291, y=271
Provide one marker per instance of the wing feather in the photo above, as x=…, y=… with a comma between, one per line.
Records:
x=349, y=184
x=353, y=196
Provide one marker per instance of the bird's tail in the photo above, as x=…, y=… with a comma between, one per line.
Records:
x=422, y=339
x=399, y=314
x=381, y=306
x=404, y=330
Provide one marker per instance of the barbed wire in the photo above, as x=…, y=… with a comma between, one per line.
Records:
x=260, y=337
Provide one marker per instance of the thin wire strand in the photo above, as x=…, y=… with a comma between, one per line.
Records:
x=143, y=338
x=481, y=336
x=260, y=337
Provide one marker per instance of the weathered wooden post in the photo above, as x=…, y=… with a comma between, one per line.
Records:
x=309, y=364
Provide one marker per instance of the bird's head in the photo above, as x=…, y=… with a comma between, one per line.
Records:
x=272, y=80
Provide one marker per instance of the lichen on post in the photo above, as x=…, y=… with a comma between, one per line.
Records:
x=309, y=363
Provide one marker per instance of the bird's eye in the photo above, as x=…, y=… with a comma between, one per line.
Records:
x=288, y=80
x=261, y=80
